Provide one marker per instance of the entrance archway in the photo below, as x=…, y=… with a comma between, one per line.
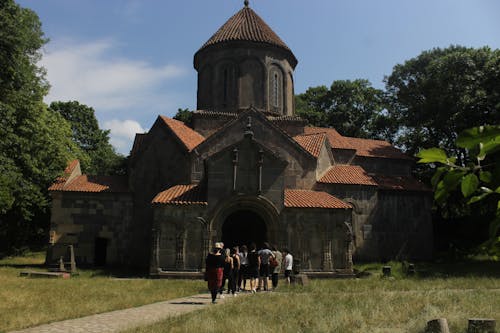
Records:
x=244, y=227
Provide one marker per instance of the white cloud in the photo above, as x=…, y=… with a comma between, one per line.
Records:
x=91, y=74
x=117, y=87
x=123, y=133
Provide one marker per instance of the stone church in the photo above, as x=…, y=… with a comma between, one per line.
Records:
x=246, y=169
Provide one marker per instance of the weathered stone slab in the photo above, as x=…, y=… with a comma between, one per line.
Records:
x=301, y=279
x=53, y=275
x=439, y=325
x=481, y=325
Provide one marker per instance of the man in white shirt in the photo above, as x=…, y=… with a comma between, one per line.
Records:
x=288, y=264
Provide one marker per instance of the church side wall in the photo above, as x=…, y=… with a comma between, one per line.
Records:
x=384, y=166
x=162, y=164
x=317, y=238
x=180, y=238
x=80, y=218
x=402, y=225
x=364, y=200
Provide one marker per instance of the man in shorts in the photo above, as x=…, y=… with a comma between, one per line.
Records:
x=265, y=253
x=287, y=264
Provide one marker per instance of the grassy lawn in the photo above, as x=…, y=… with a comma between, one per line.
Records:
x=455, y=291
x=28, y=302
x=363, y=305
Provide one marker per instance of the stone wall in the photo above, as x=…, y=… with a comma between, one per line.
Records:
x=163, y=163
x=81, y=218
x=301, y=168
x=364, y=199
x=245, y=75
x=180, y=238
x=402, y=226
x=384, y=166
x=318, y=238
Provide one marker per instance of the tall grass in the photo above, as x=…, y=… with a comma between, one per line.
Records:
x=26, y=302
x=372, y=305
x=375, y=304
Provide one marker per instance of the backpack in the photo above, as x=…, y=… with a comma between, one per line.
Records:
x=273, y=262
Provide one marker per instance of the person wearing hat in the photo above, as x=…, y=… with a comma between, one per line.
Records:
x=214, y=270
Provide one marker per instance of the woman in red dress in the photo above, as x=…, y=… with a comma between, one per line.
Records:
x=214, y=270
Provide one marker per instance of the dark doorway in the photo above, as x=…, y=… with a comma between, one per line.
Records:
x=101, y=247
x=244, y=227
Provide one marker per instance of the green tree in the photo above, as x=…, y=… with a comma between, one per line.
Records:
x=102, y=157
x=184, y=115
x=35, y=144
x=441, y=92
x=354, y=108
x=475, y=185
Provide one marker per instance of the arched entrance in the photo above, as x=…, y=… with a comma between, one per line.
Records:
x=244, y=227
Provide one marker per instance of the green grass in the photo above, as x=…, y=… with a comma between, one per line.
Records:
x=372, y=305
x=26, y=302
x=456, y=291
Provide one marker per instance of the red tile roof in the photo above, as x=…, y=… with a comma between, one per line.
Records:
x=85, y=183
x=189, y=137
x=182, y=195
x=335, y=139
x=347, y=174
x=375, y=148
x=246, y=25
x=313, y=199
x=311, y=142
x=363, y=147
x=400, y=183
x=70, y=167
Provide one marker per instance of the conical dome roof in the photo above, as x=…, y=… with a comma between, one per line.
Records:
x=246, y=25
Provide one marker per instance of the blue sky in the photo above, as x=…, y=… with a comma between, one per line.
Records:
x=132, y=59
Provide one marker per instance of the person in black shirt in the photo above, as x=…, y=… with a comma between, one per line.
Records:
x=253, y=267
x=214, y=270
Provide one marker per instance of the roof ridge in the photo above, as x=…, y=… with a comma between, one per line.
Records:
x=190, y=140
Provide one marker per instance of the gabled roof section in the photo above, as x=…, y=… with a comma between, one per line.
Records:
x=311, y=142
x=313, y=199
x=347, y=174
x=336, y=140
x=95, y=184
x=186, y=135
x=363, y=147
x=253, y=114
x=70, y=168
x=192, y=194
x=376, y=148
x=246, y=25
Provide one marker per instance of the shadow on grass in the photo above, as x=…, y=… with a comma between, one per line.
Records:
x=438, y=269
x=116, y=272
x=21, y=266
x=466, y=268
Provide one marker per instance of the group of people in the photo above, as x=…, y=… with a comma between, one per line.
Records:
x=237, y=266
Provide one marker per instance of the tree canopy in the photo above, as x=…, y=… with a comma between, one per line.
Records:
x=354, y=108
x=36, y=144
x=436, y=95
x=101, y=158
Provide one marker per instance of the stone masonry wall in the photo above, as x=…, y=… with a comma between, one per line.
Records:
x=80, y=218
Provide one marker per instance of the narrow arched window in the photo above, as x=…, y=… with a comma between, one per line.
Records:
x=225, y=85
x=275, y=91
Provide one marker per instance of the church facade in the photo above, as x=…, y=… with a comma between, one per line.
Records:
x=246, y=169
